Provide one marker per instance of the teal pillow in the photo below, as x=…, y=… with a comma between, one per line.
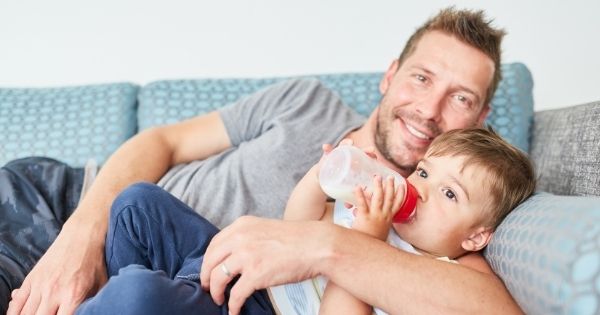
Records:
x=72, y=124
x=547, y=252
x=169, y=101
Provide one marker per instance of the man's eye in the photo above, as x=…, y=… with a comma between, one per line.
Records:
x=421, y=78
x=421, y=172
x=449, y=194
x=463, y=101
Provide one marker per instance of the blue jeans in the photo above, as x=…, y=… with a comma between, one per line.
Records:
x=154, y=249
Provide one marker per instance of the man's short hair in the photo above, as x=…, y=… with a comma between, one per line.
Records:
x=470, y=27
x=510, y=173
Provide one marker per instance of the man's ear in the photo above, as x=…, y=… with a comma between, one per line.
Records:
x=478, y=239
x=483, y=115
x=388, y=76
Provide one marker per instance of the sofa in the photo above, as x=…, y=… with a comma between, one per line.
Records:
x=547, y=251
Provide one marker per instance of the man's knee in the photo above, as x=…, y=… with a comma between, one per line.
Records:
x=134, y=290
x=138, y=192
x=137, y=281
x=138, y=195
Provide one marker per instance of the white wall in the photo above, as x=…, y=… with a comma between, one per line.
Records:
x=58, y=42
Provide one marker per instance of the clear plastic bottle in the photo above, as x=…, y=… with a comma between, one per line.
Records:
x=347, y=166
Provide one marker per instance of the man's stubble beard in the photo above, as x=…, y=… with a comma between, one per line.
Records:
x=383, y=133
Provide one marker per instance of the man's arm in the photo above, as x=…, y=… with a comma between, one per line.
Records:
x=265, y=253
x=399, y=282
x=73, y=267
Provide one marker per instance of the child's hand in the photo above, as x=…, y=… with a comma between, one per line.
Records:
x=374, y=215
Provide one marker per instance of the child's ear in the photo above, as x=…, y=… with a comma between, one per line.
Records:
x=478, y=239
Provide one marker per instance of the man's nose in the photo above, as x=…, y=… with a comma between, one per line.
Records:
x=431, y=105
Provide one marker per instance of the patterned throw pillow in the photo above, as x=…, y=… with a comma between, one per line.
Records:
x=547, y=252
x=169, y=101
x=72, y=124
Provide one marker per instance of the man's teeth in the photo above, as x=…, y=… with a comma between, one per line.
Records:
x=417, y=133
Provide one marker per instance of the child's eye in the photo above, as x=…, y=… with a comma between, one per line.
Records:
x=449, y=194
x=421, y=172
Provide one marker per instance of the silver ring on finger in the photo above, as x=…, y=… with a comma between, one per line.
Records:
x=225, y=270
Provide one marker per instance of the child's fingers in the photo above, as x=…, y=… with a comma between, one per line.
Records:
x=346, y=142
x=389, y=191
x=326, y=147
x=398, y=197
x=361, y=201
x=368, y=195
x=377, y=198
x=370, y=151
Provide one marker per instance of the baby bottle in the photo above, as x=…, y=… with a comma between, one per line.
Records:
x=347, y=166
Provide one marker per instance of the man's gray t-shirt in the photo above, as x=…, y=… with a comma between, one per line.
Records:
x=276, y=136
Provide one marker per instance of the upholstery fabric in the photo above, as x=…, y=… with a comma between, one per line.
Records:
x=512, y=105
x=566, y=150
x=169, y=101
x=547, y=251
x=72, y=124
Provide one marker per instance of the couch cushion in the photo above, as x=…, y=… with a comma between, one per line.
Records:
x=72, y=124
x=566, y=149
x=169, y=101
x=547, y=251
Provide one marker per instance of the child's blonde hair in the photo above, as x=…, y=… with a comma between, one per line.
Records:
x=511, y=173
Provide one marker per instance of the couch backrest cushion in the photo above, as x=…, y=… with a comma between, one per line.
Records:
x=566, y=149
x=547, y=252
x=169, y=101
x=72, y=124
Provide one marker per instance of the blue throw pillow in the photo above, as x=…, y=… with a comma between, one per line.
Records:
x=169, y=101
x=547, y=252
x=72, y=124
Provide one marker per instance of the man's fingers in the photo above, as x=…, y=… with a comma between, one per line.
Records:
x=238, y=295
x=216, y=252
x=16, y=302
x=220, y=276
x=66, y=309
x=18, y=299
x=47, y=306
x=32, y=303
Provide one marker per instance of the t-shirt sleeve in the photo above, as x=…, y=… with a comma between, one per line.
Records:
x=255, y=114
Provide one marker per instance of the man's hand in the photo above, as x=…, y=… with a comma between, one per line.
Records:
x=264, y=253
x=374, y=213
x=71, y=270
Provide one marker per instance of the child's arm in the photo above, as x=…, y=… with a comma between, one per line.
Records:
x=373, y=217
x=308, y=201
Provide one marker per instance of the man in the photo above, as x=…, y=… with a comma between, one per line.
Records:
x=444, y=79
